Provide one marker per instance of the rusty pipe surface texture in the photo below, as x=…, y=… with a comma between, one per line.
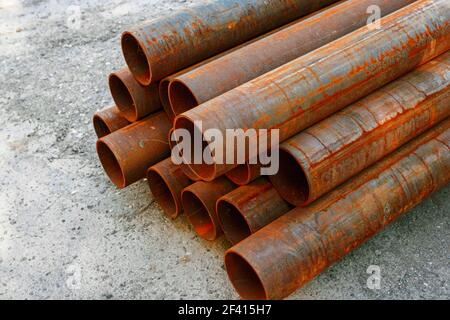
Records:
x=208, y=81
x=285, y=255
x=107, y=121
x=133, y=100
x=249, y=208
x=169, y=44
x=127, y=153
x=166, y=181
x=244, y=174
x=311, y=88
x=199, y=203
x=332, y=151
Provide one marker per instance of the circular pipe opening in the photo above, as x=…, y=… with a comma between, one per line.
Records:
x=181, y=97
x=100, y=126
x=240, y=175
x=135, y=58
x=206, y=172
x=198, y=215
x=110, y=164
x=233, y=223
x=122, y=97
x=291, y=181
x=162, y=193
x=244, y=278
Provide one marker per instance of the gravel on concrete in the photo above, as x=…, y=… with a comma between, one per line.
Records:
x=67, y=233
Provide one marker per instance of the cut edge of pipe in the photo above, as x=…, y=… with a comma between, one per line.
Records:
x=110, y=164
x=136, y=59
x=291, y=181
x=198, y=215
x=240, y=175
x=244, y=277
x=101, y=128
x=233, y=223
x=122, y=97
x=164, y=97
x=181, y=98
x=162, y=193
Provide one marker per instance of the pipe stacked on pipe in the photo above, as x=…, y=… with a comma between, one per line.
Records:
x=362, y=111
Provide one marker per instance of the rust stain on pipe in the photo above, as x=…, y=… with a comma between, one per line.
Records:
x=311, y=88
x=327, y=154
x=244, y=174
x=107, y=121
x=166, y=182
x=133, y=100
x=169, y=44
x=208, y=81
x=127, y=153
x=247, y=209
x=282, y=257
x=199, y=203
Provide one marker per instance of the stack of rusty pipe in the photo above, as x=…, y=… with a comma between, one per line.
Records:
x=360, y=106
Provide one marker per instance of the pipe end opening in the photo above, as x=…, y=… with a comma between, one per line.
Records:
x=122, y=97
x=136, y=59
x=110, y=164
x=198, y=216
x=100, y=126
x=162, y=194
x=240, y=175
x=233, y=223
x=181, y=97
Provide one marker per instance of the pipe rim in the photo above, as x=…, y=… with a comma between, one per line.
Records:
x=122, y=97
x=291, y=181
x=163, y=194
x=206, y=172
x=134, y=53
x=181, y=97
x=198, y=215
x=238, y=267
x=240, y=175
x=233, y=222
x=110, y=164
x=101, y=128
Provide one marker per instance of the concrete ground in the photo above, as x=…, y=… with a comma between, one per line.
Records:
x=67, y=233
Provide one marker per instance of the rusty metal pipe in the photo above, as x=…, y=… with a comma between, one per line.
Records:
x=199, y=203
x=127, y=153
x=332, y=151
x=249, y=208
x=311, y=88
x=169, y=44
x=107, y=121
x=282, y=257
x=208, y=81
x=166, y=181
x=133, y=100
x=244, y=174
x=186, y=169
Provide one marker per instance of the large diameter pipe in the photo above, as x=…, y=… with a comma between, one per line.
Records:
x=127, y=153
x=107, y=121
x=169, y=44
x=133, y=100
x=208, y=81
x=285, y=255
x=199, y=203
x=249, y=208
x=332, y=151
x=166, y=181
x=311, y=88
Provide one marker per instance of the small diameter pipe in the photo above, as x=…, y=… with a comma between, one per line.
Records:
x=166, y=181
x=127, y=153
x=171, y=43
x=186, y=169
x=291, y=251
x=318, y=84
x=329, y=153
x=210, y=80
x=199, y=203
x=247, y=209
x=107, y=121
x=244, y=174
x=133, y=100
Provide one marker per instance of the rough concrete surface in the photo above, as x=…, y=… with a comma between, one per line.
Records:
x=67, y=233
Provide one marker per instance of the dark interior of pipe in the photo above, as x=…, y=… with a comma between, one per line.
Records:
x=233, y=223
x=164, y=93
x=291, y=181
x=198, y=215
x=240, y=175
x=110, y=164
x=181, y=98
x=244, y=278
x=122, y=97
x=162, y=193
x=136, y=60
x=204, y=171
x=100, y=127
